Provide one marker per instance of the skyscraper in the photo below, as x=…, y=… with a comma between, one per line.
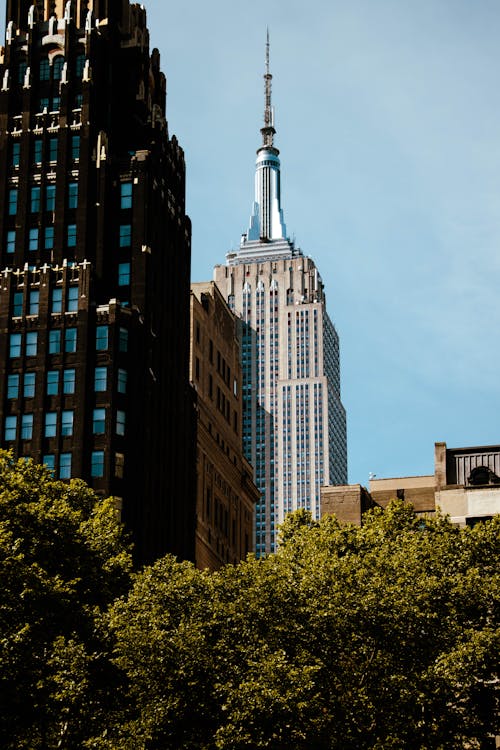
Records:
x=294, y=426
x=95, y=259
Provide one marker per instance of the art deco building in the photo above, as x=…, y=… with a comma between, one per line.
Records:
x=294, y=426
x=95, y=259
x=226, y=494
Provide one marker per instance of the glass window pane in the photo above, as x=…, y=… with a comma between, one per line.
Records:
x=56, y=300
x=123, y=340
x=15, y=345
x=65, y=466
x=35, y=199
x=15, y=154
x=69, y=381
x=97, y=465
x=123, y=274
x=100, y=379
x=12, y=202
x=70, y=340
x=53, y=149
x=99, y=421
x=67, y=423
x=11, y=240
x=71, y=235
x=50, y=462
x=75, y=146
x=29, y=384
x=49, y=238
x=73, y=195
x=34, y=302
x=31, y=343
x=10, y=428
x=120, y=422
x=126, y=195
x=33, y=239
x=27, y=427
x=52, y=382
x=55, y=341
x=72, y=305
x=50, y=198
x=17, y=304
x=125, y=235
x=13, y=386
x=122, y=381
x=50, y=424
x=101, y=341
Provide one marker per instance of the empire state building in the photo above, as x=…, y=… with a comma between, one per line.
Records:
x=294, y=423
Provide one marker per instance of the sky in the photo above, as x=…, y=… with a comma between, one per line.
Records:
x=388, y=123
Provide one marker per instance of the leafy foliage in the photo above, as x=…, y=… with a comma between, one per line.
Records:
x=63, y=560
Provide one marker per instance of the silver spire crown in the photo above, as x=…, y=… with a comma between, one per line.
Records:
x=268, y=130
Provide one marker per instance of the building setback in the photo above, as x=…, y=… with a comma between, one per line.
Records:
x=294, y=426
x=226, y=494
x=95, y=259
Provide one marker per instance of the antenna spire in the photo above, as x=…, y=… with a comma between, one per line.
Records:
x=268, y=130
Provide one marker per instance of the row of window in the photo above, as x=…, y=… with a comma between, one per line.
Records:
x=65, y=460
x=68, y=382
x=56, y=339
x=38, y=151
x=56, y=301
x=51, y=424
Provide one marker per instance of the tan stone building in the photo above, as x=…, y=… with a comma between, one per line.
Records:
x=226, y=494
x=465, y=486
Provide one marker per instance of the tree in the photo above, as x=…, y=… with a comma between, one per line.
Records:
x=376, y=637
x=63, y=560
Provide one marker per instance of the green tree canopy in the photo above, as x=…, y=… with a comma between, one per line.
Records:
x=63, y=560
x=379, y=637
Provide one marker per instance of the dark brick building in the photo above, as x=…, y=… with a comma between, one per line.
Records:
x=95, y=264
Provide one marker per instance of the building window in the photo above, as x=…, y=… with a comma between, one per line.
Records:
x=125, y=235
x=11, y=240
x=67, y=423
x=37, y=151
x=72, y=305
x=50, y=424
x=31, y=343
x=120, y=422
x=27, y=427
x=17, y=304
x=58, y=66
x=43, y=104
x=50, y=198
x=126, y=195
x=101, y=338
x=29, y=384
x=56, y=103
x=15, y=154
x=44, y=69
x=119, y=465
x=50, y=462
x=21, y=71
x=55, y=341
x=122, y=381
x=53, y=149
x=73, y=195
x=80, y=65
x=49, y=238
x=56, y=300
x=52, y=382
x=13, y=386
x=69, y=380
x=123, y=340
x=10, y=428
x=35, y=200
x=65, y=466
x=75, y=147
x=100, y=379
x=13, y=201
x=70, y=340
x=123, y=274
x=97, y=464
x=15, y=345
x=71, y=235
x=99, y=422
x=33, y=239
x=34, y=302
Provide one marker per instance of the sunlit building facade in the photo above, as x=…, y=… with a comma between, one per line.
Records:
x=294, y=423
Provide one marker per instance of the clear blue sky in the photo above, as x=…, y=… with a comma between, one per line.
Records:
x=388, y=124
